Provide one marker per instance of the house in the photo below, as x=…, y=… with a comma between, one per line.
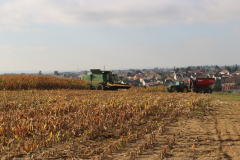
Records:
x=224, y=72
x=137, y=77
x=157, y=77
x=127, y=82
x=145, y=82
x=230, y=81
x=131, y=77
x=217, y=76
x=177, y=76
x=210, y=74
x=168, y=81
x=122, y=74
x=150, y=77
x=225, y=88
x=184, y=75
x=233, y=75
x=197, y=75
x=235, y=89
x=154, y=84
x=144, y=70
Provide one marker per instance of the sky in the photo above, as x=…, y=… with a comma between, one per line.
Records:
x=67, y=35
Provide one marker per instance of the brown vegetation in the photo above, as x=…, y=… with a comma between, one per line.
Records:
x=91, y=124
x=18, y=82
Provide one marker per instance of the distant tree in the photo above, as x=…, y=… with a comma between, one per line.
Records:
x=129, y=74
x=40, y=73
x=187, y=69
x=216, y=67
x=198, y=67
x=161, y=74
x=137, y=80
x=163, y=78
x=217, y=85
x=137, y=72
x=237, y=84
x=84, y=72
x=120, y=77
x=234, y=68
x=228, y=68
x=176, y=70
x=56, y=73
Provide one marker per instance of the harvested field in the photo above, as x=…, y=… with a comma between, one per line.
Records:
x=127, y=124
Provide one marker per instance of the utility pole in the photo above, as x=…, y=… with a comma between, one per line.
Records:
x=104, y=67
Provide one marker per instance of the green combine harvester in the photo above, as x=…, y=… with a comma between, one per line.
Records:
x=103, y=80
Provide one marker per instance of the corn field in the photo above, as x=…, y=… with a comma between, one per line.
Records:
x=19, y=82
x=44, y=124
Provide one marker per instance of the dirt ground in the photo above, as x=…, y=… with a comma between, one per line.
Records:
x=215, y=135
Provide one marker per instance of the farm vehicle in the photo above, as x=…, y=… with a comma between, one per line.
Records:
x=198, y=85
x=103, y=80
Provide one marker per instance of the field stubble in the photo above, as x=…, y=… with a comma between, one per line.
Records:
x=128, y=124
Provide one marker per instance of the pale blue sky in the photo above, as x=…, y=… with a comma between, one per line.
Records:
x=65, y=35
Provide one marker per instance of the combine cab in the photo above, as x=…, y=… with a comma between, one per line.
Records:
x=103, y=80
x=199, y=85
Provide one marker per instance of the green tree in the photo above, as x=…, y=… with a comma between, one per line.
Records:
x=40, y=73
x=129, y=74
x=234, y=68
x=237, y=84
x=176, y=70
x=228, y=68
x=137, y=80
x=137, y=71
x=161, y=74
x=217, y=85
x=120, y=77
x=187, y=69
x=216, y=67
x=163, y=78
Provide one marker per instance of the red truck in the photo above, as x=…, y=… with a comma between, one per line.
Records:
x=199, y=85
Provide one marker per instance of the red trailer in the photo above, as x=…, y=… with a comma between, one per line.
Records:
x=201, y=85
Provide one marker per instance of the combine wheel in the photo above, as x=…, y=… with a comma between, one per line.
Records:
x=100, y=87
x=175, y=90
x=185, y=90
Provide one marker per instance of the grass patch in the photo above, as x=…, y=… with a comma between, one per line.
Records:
x=226, y=96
